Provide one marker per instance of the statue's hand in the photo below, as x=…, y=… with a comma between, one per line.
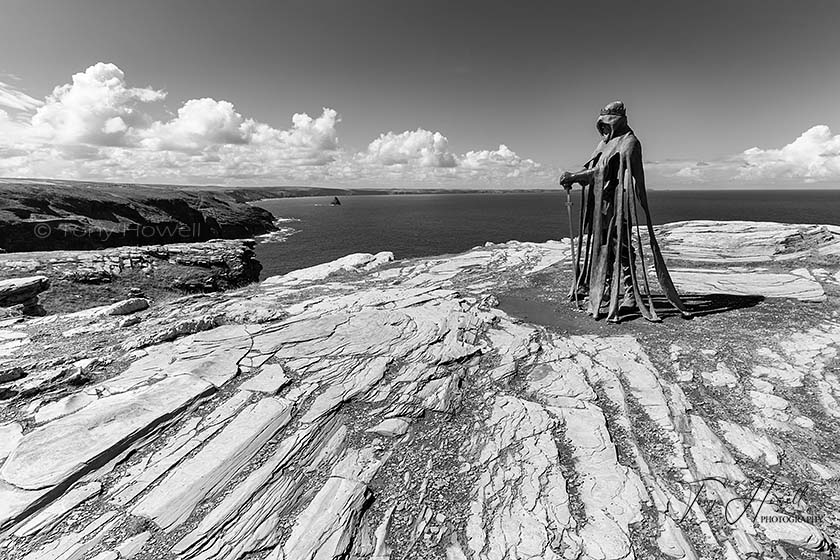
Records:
x=566, y=180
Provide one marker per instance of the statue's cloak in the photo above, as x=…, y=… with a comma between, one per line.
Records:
x=610, y=256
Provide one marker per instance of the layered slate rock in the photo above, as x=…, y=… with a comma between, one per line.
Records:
x=20, y=290
x=747, y=242
x=172, y=501
x=745, y=283
x=127, y=306
x=82, y=277
x=326, y=528
x=10, y=435
x=71, y=446
x=520, y=488
x=350, y=263
x=382, y=410
x=23, y=293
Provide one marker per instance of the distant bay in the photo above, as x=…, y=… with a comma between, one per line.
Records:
x=312, y=231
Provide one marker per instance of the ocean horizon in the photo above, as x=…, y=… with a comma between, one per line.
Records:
x=313, y=231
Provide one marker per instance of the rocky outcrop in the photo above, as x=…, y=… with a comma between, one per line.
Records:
x=19, y=290
x=733, y=281
x=351, y=263
x=231, y=261
x=127, y=306
x=129, y=271
x=706, y=241
x=367, y=409
x=69, y=215
x=23, y=292
x=750, y=258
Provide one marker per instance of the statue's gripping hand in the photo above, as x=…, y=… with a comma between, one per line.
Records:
x=567, y=179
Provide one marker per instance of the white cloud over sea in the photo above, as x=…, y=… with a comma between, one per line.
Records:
x=421, y=147
x=100, y=126
x=812, y=159
x=814, y=156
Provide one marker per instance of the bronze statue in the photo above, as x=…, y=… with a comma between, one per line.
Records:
x=613, y=184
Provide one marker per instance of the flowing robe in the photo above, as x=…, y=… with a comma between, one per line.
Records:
x=608, y=248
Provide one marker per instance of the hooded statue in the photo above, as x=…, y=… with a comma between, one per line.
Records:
x=610, y=263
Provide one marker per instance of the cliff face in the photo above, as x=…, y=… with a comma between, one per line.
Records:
x=443, y=407
x=63, y=215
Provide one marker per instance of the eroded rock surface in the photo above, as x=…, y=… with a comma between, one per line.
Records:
x=23, y=294
x=208, y=266
x=19, y=290
x=378, y=410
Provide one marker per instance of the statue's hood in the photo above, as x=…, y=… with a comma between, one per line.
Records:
x=610, y=126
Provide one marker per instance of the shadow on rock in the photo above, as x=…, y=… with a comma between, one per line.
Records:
x=533, y=306
x=698, y=305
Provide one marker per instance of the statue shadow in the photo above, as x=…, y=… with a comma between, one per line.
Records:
x=699, y=305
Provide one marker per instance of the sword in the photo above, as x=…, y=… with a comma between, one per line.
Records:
x=572, y=245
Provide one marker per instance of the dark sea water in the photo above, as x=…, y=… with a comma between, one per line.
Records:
x=420, y=225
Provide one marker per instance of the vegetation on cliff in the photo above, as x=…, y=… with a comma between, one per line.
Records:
x=54, y=215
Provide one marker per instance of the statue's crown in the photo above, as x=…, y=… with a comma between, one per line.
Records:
x=614, y=108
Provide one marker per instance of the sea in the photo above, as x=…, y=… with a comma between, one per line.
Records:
x=312, y=231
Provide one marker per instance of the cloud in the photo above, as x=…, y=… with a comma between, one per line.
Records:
x=99, y=126
x=13, y=98
x=814, y=156
x=420, y=147
x=309, y=141
x=96, y=108
x=309, y=133
x=423, y=158
x=199, y=123
x=503, y=161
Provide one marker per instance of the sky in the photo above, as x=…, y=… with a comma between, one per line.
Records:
x=734, y=94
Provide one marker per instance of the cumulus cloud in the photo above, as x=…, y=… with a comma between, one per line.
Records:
x=814, y=156
x=502, y=161
x=423, y=158
x=310, y=141
x=99, y=126
x=97, y=107
x=420, y=147
x=309, y=133
x=199, y=123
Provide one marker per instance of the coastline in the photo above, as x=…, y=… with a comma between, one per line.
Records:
x=75, y=215
x=45, y=214
x=66, y=215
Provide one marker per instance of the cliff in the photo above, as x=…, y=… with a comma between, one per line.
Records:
x=69, y=215
x=451, y=407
